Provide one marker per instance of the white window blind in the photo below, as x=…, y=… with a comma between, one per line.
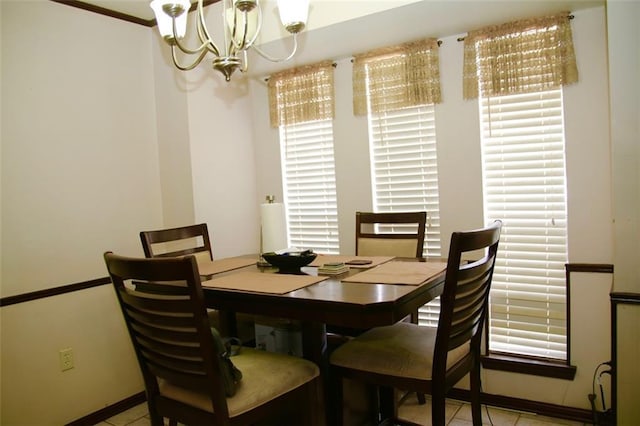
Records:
x=308, y=170
x=405, y=175
x=524, y=186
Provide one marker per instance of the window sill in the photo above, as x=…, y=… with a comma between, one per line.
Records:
x=532, y=366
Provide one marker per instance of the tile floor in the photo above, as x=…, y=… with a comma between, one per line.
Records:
x=458, y=414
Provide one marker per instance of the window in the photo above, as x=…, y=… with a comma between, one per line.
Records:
x=397, y=88
x=404, y=166
x=405, y=174
x=524, y=186
x=308, y=170
x=517, y=69
x=301, y=106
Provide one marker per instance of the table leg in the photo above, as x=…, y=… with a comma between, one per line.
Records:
x=314, y=348
x=228, y=325
x=388, y=406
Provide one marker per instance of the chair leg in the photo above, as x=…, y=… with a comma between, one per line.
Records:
x=438, y=412
x=474, y=385
x=337, y=400
x=314, y=416
x=415, y=320
x=388, y=405
x=373, y=399
x=156, y=419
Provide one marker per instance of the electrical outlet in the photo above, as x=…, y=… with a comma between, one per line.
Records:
x=66, y=359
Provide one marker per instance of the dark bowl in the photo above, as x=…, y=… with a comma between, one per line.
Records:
x=290, y=261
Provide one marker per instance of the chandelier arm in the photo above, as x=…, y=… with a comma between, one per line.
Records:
x=246, y=44
x=203, y=32
x=232, y=50
x=230, y=31
x=243, y=44
x=176, y=41
x=195, y=63
x=258, y=26
x=203, y=49
x=207, y=43
x=245, y=62
x=234, y=47
x=272, y=59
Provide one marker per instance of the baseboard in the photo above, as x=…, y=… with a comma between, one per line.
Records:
x=540, y=408
x=110, y=411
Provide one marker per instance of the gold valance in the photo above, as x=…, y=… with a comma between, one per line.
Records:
x=301, y=94
x=519, y=57
x=395, y=77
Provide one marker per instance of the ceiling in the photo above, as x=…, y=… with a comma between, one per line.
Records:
x=140, y=8
x=329, y=37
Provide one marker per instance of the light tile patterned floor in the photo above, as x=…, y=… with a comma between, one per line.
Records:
x=458, y=414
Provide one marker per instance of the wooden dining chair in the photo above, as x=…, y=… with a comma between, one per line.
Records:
x=425, y=359
x=194, y=240
x=176, y=352
x=399, y=234
x=181, y=241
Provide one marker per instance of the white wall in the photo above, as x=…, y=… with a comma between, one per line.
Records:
x=457, y=130
x=206, y=150
x=101, y=139
x=174, y=153
x=94, y=91
x=1, y=115
x=80, y=175
x=223, y=165
x=624, y=69
x=80, y=162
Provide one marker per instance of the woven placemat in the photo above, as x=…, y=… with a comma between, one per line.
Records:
x=333, y=258
x=218, y=266
x=394, y=272
x=262, y=282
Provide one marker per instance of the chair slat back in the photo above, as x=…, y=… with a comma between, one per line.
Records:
x=181, y=241
x=465, y=296
x=407, y=240
x=171, y=334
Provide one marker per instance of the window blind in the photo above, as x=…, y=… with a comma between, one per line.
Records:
x=405, y=175
x=524, y=186
x=308, y=170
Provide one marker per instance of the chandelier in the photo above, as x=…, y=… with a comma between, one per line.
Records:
x=242, y=21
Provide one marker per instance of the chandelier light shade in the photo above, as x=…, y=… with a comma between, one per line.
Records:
x=241, y=24
x=293, y=14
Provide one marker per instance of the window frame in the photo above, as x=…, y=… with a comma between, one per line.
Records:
x=518, y=362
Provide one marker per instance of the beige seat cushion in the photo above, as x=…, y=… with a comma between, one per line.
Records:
x=265, y=376
x=387, y=247
x=402, y=350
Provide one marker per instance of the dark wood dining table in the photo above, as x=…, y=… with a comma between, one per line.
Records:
x=332, y=302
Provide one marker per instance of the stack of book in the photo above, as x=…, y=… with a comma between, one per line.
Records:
x=333, y=268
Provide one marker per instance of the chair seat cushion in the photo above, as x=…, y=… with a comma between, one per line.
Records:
x=265, y=376
x=401, y=350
